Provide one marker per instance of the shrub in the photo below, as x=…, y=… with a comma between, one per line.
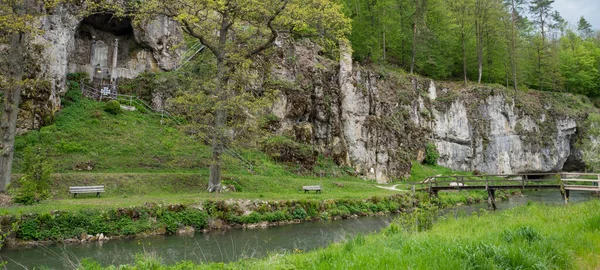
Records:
x=285, y=149
x=431, y=154
x=269, y=122
x=299, y=213
x=35, y=184
x=253, y=217
x=113, y=107
x=73, y=95
x=79, y=76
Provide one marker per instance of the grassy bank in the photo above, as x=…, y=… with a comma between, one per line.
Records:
x=153, y=218
x=528, y=237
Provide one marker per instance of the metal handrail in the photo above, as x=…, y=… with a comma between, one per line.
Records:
x=198, y=45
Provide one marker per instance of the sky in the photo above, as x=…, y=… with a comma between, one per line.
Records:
x=572, y=10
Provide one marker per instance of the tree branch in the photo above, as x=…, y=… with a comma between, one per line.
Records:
x=273, y=36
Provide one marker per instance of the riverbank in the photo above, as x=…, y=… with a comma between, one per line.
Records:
x=530, y=236
x=89, y=224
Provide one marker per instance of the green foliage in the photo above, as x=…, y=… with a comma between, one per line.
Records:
x=514, y=43
x=35, y=183
x=285, y=149
x=113, y=107
x=79, y=77
x=431, y=154
x=269, y=122
x=72, y=96
x=299, y=213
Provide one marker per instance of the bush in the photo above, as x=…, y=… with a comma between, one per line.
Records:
x=285, y=149
x=73, y=95
x=35, y=184
x=78, y=77
x=269, y=122
x=299, y=213
x=113, y=107
x=431, y=154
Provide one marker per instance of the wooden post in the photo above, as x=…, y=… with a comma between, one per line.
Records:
x=565, y=195
x=492, y=198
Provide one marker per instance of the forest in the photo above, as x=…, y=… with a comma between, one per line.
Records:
x=516, y=43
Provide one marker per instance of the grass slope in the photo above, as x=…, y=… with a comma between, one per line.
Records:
x=130, y=141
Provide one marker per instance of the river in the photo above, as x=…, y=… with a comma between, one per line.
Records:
x=232, y=245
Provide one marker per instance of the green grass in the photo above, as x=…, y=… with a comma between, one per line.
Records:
x=535, y=236
x=136, y=189
x=140, y=160
x=131, y=141
x=419, y=172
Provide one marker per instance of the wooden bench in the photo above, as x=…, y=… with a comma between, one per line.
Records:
x=317, y=189
x=86, y=189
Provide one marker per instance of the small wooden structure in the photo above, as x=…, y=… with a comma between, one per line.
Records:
x=565, y=182
x=86, y=189
x=317, y=189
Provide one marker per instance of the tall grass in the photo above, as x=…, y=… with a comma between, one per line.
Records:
x=535, y=236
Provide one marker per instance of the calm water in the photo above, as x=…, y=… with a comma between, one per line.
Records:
x=233, y=245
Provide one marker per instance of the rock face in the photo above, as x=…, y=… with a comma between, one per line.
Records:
x=377, y=122
x=71, y=42
x=498, y=138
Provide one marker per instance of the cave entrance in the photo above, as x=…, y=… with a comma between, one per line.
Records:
x=104, y=46
x=109, y=23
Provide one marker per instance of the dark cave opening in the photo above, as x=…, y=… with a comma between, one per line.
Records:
x=108, y=22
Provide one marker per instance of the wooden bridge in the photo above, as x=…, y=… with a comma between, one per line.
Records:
x=565, y=182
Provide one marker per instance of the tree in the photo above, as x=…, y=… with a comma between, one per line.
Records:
x=578, y=64
x=515, y=8
x=462, y=11
x=238, y=31
x=418, y=21
x=485, y=17
x=16, y=19
x=541, y=9
x=584, y=28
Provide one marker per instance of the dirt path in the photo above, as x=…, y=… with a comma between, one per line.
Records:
x=392, y=188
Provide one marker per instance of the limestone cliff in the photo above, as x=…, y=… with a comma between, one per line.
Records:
x=378, y=120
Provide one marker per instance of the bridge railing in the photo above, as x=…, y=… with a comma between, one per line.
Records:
x=582, y=181
x=515, y=180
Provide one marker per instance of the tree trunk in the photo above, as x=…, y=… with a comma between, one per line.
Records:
x=464, y=51
x=384, y=52
x=479, y=31
x=10, y=110
x=479, y=61
x=513, y=56
x=414, y=47
x=214, y=183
